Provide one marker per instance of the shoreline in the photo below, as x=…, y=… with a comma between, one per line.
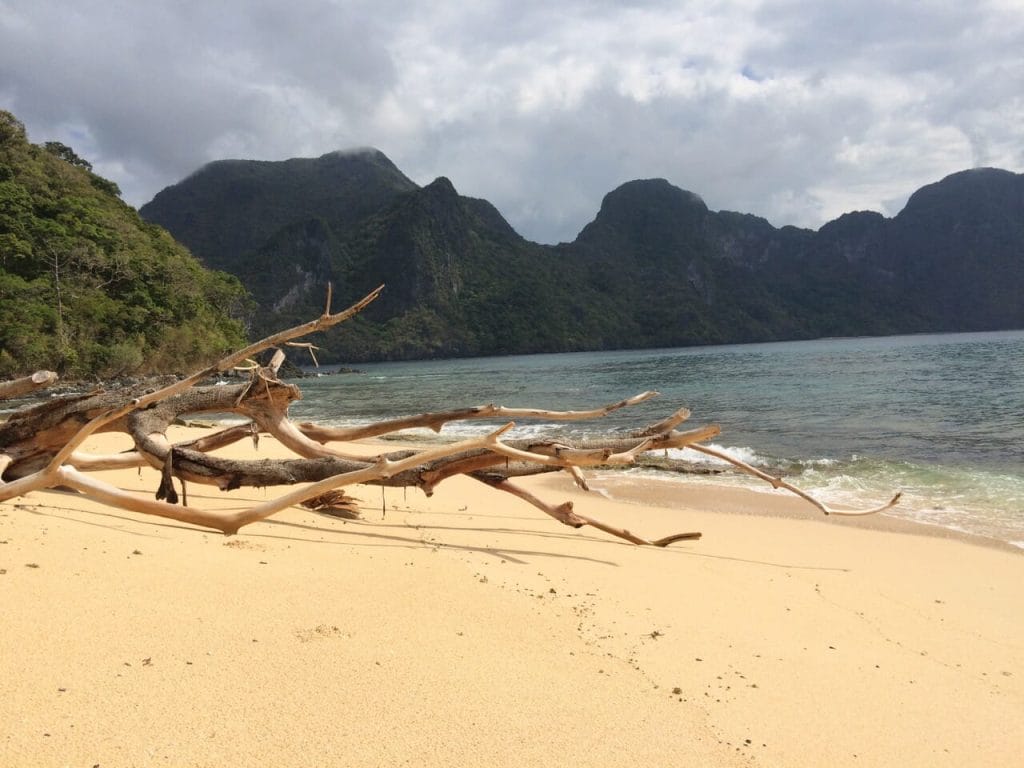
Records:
x=468, y=627
x=734, y=499
x=732, y=485
x=728, y=486
x=730, y=492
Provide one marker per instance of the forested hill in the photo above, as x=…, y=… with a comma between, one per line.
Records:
x=87, y=287
x=656, y=267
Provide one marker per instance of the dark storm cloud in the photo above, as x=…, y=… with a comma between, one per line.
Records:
x=793, y=111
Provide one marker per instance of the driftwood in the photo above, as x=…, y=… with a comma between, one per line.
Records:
x=26, y=385
x=40, y=445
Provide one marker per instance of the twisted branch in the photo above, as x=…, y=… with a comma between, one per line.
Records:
x=40, y=447
x=778, y=482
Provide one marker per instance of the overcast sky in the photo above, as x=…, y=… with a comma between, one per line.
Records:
x=795, y=111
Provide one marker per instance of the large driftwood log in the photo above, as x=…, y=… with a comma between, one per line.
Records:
x=40, y=445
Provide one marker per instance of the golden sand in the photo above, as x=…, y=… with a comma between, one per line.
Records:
x=469, y=629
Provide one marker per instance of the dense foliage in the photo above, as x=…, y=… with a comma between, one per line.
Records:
x=654, y=268
x=87, y=287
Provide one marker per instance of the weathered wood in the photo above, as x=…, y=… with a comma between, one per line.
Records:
x=26, y=385
x=40, y=445
x=436, y=421
x=778, y=482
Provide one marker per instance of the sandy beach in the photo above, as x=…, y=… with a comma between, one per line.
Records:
x=467, y=629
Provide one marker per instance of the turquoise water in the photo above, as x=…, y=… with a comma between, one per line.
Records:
x=939, y=417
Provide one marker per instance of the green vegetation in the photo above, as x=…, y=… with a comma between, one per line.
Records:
x=88, y=288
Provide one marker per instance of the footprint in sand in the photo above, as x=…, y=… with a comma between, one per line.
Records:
x=243, y=544
x=319, y=632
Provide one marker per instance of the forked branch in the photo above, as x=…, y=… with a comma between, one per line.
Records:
x=40, y=447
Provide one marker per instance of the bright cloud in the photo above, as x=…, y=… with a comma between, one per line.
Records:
x=794, y=111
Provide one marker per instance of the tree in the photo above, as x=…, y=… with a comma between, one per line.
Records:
x=39, y=446
x=88, y=287
x=67, y=154
x=11, y=128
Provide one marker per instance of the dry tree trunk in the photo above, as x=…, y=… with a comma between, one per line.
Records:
x=40, y=446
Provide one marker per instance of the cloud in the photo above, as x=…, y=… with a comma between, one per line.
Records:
x=791, y=111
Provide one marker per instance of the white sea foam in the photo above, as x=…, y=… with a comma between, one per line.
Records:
x=745, y=454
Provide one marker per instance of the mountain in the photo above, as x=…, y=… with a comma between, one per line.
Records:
x=86, y=286
x=458, y=275
x=957, y=251
x=655, y=267
x=230, y=208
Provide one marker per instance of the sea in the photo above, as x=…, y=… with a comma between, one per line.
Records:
x=852, y=420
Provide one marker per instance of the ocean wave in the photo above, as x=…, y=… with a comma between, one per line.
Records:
x=969, y=500
x=745, y=454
